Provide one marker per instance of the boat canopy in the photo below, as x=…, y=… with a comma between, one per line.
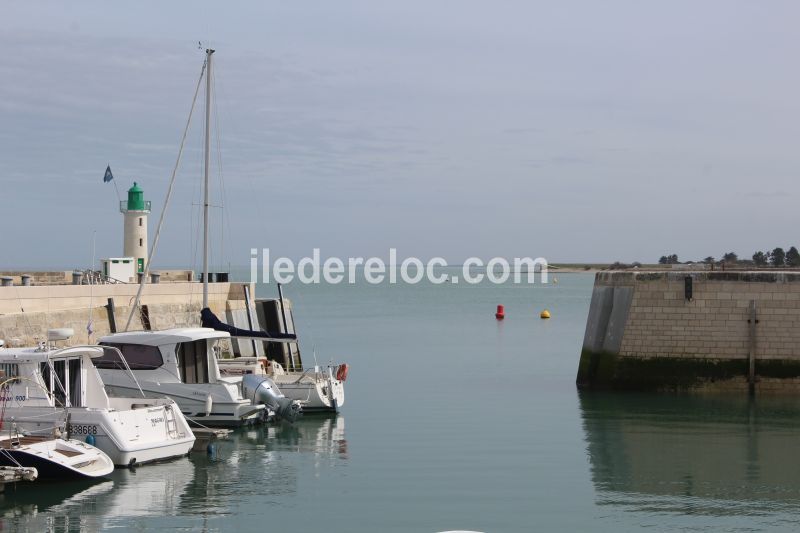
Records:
x=209, y=320
x=35, y=355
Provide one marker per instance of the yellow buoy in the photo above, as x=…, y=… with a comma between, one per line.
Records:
x=544, y=314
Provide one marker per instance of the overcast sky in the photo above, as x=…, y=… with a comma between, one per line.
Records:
x=577, y=131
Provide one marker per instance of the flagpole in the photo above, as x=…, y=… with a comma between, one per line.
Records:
x=110, y=177
x=117, y=189
x=89, y=325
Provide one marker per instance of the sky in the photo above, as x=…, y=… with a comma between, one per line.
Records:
x=578, y=131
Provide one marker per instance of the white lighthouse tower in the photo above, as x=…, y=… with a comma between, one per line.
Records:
x=135, y=211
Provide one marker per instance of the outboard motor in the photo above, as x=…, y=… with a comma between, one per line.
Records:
x=261, y=389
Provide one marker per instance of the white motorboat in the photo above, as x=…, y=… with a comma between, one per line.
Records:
x=45, y=388
x=179, y=364
x=318, y=388
x=54, y=458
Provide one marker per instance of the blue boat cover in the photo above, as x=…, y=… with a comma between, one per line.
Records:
x=209, y=320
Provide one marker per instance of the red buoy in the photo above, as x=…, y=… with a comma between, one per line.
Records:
x=501, y=313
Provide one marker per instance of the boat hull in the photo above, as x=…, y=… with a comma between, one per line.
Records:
x=127, y=437
x=317, y=390
x=55, y=458
x=46, y=469
x=223, y=414
x=313, y=394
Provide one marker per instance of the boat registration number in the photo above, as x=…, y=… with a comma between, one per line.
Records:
x=83, y=429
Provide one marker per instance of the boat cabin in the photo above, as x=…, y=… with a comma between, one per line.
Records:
x=67, y=375
x=187, y=354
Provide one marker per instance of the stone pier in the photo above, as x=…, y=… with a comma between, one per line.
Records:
x=693, y=331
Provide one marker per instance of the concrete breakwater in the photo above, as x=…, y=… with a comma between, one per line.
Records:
x=693, y=331
x=26, y=312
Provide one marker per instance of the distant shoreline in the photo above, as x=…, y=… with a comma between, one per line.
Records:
x=577, y=268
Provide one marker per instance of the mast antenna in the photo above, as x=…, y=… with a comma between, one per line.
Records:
x=209, y=53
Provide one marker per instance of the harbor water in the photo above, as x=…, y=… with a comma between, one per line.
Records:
x=454, y=420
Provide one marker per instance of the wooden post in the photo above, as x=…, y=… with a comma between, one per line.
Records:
x=250, y=325
x=112, y=320
x=751, y=374
x=145, y=317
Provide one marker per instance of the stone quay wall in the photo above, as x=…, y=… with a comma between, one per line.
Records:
x=26, y=313
x=643, y=333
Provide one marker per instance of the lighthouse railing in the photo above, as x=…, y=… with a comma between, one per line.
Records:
x=123, y=206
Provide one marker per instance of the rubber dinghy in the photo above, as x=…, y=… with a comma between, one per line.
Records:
x=55, y=458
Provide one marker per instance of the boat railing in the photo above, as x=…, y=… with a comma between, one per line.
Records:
x=95, y=277
x=244, y=360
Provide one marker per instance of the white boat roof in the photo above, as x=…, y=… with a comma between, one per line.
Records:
x=165, y=336
x=13, y=355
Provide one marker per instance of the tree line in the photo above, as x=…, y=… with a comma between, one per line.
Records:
x=777, y=258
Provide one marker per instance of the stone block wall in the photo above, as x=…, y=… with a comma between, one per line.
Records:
x=176, y=275
x=26, y=313
x=662, y=340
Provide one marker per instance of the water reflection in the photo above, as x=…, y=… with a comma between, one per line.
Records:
x=704, y=455
x=323, y=437
x=320, y=435
x=45, y=507
x=264, y=461
x=70, y=506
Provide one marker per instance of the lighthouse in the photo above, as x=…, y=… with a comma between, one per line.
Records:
x=135, y=211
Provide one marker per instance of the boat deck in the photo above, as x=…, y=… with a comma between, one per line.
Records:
x=8, y=443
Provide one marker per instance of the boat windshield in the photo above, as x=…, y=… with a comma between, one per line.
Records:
x=138, y=356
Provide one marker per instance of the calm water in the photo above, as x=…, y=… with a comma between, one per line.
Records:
x=456, y=421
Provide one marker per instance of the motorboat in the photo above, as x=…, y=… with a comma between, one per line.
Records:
x=319, y=388
x=45, y=388
x=316, y=389
x=180, y=364
x=53, y=458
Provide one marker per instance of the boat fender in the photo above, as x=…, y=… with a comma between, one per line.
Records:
x=209, y=404
x=60, y=334
x=90, y=440
x=341, y=372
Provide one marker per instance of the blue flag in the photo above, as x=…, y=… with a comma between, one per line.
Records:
x=109, y=176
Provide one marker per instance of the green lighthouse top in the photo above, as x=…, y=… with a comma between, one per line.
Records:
x=135, y=200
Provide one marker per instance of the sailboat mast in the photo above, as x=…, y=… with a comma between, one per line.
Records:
x=207, y=163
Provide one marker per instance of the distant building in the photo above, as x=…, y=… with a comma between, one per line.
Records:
x=119, y=268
